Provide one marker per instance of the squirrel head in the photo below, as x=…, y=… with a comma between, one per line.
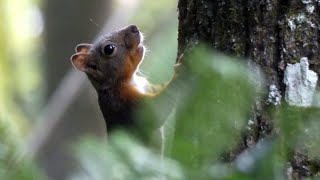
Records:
x=113, y=59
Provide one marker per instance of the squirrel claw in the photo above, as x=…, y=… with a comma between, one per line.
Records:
x=179, y=63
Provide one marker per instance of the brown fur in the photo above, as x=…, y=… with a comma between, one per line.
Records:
x=112, y=75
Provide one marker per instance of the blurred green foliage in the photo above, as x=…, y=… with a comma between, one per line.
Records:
x=214, y=95
x=21, y=77
x=20, y=72
x=19, y=85
x=217, y=99
x=155, y=18
x=12, y=164
x=123, y=158
x=8, y=119
x=206, y=110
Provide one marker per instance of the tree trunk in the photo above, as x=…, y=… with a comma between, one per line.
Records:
x=271, y=33
x=69, y=23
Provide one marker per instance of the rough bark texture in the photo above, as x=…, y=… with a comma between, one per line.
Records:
x=271, y=33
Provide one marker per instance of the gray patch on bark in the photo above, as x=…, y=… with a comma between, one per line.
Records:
x=300, y=83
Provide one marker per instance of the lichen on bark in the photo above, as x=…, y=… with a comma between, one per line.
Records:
x=300, y=33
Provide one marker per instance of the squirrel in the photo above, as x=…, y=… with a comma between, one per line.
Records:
x=111, y=64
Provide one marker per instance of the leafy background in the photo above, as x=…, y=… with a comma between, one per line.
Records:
x=209, y=106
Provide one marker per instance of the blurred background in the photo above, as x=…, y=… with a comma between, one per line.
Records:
x=51, y=126
x=45, y=104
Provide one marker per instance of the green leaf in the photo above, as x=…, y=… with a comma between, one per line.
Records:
x=215, y=98
x=123, y=158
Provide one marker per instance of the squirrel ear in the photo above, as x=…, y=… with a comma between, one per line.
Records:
x=83, y=47
x=80, y=61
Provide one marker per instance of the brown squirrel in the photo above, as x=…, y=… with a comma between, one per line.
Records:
x=111, y=65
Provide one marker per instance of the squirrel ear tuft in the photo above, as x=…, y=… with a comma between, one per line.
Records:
x=80, y=61
x=83, y=47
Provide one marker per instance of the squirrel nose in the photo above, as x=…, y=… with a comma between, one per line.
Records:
x=133, y=29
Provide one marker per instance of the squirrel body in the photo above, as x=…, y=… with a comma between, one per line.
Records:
x=111, y=65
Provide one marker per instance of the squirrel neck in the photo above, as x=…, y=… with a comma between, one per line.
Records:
x=117, y=112
x=117, y=102
x=130, y=89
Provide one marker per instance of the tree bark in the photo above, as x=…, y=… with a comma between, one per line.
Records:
x=271, y=33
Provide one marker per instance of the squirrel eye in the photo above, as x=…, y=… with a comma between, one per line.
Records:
x=109, y=49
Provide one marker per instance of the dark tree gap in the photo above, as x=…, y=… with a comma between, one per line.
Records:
x=79, y=25
x=270, y=33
